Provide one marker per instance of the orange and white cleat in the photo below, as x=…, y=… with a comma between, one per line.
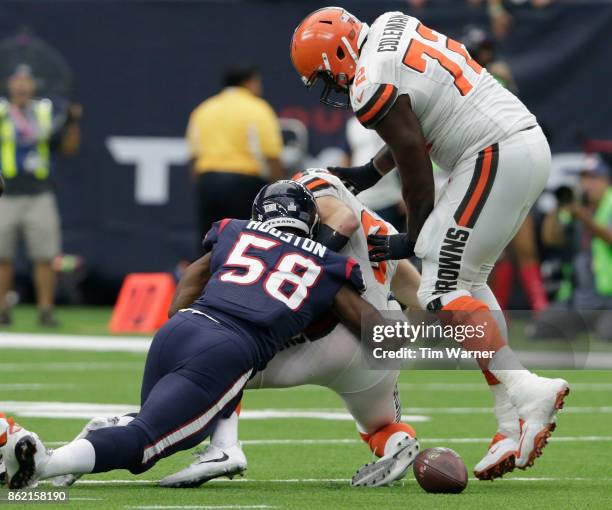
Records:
x=500, y=458
x=538, y=407
x=23, y=454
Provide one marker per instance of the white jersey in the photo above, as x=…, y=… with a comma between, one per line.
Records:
x=460, y=106
x=377, y=276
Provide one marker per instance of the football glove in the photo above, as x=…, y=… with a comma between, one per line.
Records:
x=393, y=247
x=361, y=177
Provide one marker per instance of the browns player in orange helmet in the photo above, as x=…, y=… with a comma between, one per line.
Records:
x=326, y=46
x=428, y=99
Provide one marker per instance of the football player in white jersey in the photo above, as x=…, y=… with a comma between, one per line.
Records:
x=426, y=97
x=328, y=355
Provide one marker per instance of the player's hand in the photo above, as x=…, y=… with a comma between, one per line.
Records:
x=393, y=247
x=361, y=177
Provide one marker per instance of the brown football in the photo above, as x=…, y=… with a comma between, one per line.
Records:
x=440, y=470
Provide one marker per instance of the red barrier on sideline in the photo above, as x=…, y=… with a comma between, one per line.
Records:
x=143, y=303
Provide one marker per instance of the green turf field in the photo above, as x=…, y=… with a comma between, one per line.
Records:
x=306, y=463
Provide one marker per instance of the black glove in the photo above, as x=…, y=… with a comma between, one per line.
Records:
x=393, y=247
x=361, y=177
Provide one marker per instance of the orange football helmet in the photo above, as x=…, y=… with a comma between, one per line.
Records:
x=326, y=45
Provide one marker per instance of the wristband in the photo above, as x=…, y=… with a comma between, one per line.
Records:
x=331, y=238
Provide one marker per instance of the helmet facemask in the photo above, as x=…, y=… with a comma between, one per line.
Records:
x=332, y=85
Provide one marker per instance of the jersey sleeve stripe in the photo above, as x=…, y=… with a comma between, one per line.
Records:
x=378, y=106
x=318, y=185
x=350, y=264
x=223, y=223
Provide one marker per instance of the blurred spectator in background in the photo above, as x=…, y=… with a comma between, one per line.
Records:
x=30, y=130
x=482, y=47
x=590, y=222
x=501, y=19
x=235, y=143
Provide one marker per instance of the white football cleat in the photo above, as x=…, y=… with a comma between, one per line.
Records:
x=23, y=453
x=93, y=424
x=537, y=404
x=390, y=468
x=212, y=463
x=500, y=458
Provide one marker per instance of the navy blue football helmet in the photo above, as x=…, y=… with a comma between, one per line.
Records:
x=287, y=204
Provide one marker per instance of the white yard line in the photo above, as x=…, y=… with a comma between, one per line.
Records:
x=33, y=386
x=71, y=366
x=426, y=440
x=160, y=507
x=86, y=481
x=88, y=410
x=74, y=342
x=69, y=410
x=467, y=387
x=591, y=360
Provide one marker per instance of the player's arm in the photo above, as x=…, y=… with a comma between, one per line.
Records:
x=405, y=284
x=191, y=285
x=401, y=130
x=338, y=223
x=350, y=307
x=383, y=160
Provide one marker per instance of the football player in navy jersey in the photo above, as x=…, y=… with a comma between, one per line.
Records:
x=265, y=281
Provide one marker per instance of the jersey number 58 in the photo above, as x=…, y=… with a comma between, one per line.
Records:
x=290, y=280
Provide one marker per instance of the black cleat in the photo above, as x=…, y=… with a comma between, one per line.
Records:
x=25, y=450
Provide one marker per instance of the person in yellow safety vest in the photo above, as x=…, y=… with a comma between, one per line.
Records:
x=30, y=130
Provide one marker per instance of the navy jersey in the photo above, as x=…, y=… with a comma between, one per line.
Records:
x=271, y=283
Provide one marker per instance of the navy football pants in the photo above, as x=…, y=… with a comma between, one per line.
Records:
x=195, y=372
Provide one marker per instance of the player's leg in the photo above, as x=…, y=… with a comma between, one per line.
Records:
x=11, y=211
x=317, y=362
x=526, y=253
x=179, y=412
x=43, y=240
x=372, y=398
x=160, y=361
x=502, y=450
x=471, y=224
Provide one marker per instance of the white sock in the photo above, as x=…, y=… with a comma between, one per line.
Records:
x=507, y=368
x=226, y=432
x=76, y=458
x=505, y=413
